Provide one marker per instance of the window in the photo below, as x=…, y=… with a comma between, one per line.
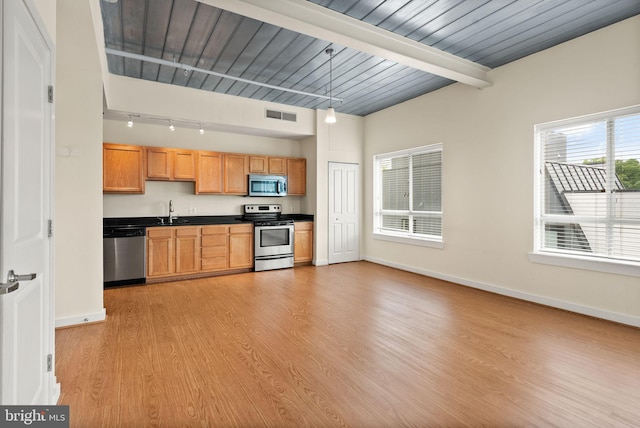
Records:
x=408, y=196
x=588, y=187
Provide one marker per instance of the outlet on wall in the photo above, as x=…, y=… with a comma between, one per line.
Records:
x=192, y=211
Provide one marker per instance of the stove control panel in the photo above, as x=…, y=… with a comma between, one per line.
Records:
x=262, y=209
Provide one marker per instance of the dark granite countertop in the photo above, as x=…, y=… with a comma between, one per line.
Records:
x=189, y=220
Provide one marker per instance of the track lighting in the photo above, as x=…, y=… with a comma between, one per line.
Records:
x=171, y=127
x=331, y=113
x=130, y=122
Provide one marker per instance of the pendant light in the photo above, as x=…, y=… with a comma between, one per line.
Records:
x=130, y=122
x=171, y=127
x=331, y=113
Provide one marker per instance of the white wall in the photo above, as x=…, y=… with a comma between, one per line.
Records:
x=488, y=168
x=47, y=12
x=155, y=201
x=78, y=187
x=341, y=142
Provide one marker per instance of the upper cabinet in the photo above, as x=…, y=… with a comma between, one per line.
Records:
x=170, y=164
x=123, y=168
x=208, y=172
x=296, y=176
x=236, y=170
x=258, y=164
x=127, y=167
x=267, y=165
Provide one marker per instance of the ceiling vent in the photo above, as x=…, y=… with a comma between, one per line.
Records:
x=280, y=115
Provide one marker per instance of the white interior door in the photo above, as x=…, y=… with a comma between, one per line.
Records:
x=344, y=213
x=26, y=317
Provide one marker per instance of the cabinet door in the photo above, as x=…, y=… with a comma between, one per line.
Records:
x=160, y=255
x=278, y=166
x=296, y=176
x=159, y=163
x=236, y=169
x=258, y=165
x=186, y=250
x=241, y=246
x=303, y=242
x=208, y=172
x=122, y=168
x=184, y=165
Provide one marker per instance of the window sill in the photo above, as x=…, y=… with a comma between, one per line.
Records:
x=411, y=241
x=587, y=263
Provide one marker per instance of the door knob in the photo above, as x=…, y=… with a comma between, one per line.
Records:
x=12, y=283
x=12, y=277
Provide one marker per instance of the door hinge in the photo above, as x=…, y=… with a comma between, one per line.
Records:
x=50, y=94
x=50, y=228
x=49, y=362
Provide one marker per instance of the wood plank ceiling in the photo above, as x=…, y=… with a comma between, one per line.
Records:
x=487, y=32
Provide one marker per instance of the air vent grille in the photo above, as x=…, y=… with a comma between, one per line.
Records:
x=280, y=115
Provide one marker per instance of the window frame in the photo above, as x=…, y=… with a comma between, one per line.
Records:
x=567, y=257
x=410, y=238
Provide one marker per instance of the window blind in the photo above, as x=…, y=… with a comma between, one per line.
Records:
x=409, y=193
x=589, y=186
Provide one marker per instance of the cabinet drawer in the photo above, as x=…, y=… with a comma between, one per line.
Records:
x=208, y=252
x=187, y=231
x=160, y=232
x=214, y=241
x=214, y=230
x=241, y=228
x=213, y=263
x=303, y=225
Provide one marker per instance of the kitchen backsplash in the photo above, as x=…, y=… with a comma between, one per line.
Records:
x=155, y=202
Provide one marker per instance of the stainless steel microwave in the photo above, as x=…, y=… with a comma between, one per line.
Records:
x=267, y=185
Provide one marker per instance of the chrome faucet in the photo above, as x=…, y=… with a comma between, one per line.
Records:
x=171, y=212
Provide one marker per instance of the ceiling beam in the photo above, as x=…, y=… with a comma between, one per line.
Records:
x=320, y=22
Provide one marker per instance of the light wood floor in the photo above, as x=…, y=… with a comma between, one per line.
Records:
x=355, y=344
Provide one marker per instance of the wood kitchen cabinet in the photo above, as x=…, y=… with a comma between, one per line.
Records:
x=296, y=176
x=240, y=246
x=258, y=164
x=236, y=170
x=303, y=242
x=170, y=164
x=214, y=248
x=123, y=168
x=208, y=172
x=267, y=165
x=226, y=247
x=160, y=254
x=172, y=251
x=187, y=249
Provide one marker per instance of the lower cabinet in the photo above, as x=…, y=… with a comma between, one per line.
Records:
x=241, y=246
x=303, y=242
x=226, y=247
x=214, y=252
x=187, y=249
x=176, y=251
x=172, y=251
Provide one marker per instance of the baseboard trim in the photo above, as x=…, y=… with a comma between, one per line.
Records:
x=323, y=262
x=547, y=301
x=82, y=319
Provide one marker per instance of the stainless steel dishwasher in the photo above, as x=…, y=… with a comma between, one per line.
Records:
x=125, y=255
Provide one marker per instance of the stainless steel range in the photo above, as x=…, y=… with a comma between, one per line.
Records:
x=273, y=236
